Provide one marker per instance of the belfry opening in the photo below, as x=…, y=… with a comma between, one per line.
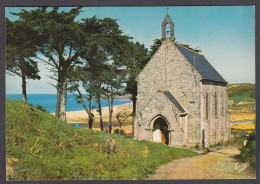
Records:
x=160, y=131
x=167, y=28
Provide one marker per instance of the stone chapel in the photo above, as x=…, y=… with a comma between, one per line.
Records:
x=182, y=99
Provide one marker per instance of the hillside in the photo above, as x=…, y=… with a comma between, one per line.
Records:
x=241, y=94
x=41, y=147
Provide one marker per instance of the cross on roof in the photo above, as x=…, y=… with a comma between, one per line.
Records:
x=167, y=9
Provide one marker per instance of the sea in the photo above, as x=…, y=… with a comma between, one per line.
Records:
x=48, y=101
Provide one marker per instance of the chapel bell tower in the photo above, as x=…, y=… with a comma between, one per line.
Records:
x=167, y=28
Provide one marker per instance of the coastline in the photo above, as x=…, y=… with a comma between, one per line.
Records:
x=81, y=116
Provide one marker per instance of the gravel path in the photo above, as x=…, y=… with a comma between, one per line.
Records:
x=220, y=164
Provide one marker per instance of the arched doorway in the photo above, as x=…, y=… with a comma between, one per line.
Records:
x=160, y=131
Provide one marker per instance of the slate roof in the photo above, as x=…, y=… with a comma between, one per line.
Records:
x=200, y=63
x=174, y=101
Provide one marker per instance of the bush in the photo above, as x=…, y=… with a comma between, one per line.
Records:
x=119, y=131
x=41, y=108
x=248, y=152
x=38, y=106
x=239, y=141
x=197, y=146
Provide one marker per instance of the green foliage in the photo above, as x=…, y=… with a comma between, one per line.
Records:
x=252, y=94
x=21, y=48
x=239, y=141
x=156, y=44
x=139, y=57
x=39, y=107
x=197, y=146
x=60, y=35
x=50, y=149
x=241, y=92
x=248, y=152
x=118, y=131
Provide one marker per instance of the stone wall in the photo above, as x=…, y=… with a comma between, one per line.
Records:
x=217, y=124
x=169, y=70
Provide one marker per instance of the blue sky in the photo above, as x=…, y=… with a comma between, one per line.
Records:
x=225, y=34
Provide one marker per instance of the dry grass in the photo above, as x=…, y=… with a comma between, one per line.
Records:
x=243, y=126
x=127, y=128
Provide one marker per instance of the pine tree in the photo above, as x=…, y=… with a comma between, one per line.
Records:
x=22, y=44
x=60, y=34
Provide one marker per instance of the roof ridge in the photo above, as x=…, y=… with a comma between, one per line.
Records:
x=189, y=49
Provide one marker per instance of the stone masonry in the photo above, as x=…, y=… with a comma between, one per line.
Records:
x=178, y=101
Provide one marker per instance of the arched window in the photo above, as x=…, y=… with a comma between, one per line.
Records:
x=216, y=104
x=167, y=30
x=207, y=106
x=223, y=103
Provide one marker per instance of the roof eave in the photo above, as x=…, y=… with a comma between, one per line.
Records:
x=210, y=80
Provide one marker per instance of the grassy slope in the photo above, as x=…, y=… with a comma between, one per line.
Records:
x=45, y=148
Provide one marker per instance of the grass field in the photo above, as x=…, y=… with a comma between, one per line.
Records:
x=243, y=126
x=238, y=115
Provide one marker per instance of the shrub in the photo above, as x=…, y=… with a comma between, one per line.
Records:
x=197, y=146
x=248, y=152
x=38, y=106
x=119, y=131
x=41, y=108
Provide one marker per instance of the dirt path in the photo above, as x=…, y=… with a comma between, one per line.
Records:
x=220, y=164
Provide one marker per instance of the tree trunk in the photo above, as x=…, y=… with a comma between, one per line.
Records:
x=23, y=79
x=133, y=114
x=100, y=112
x=24, y=87
x=90, y=115
x=91, y=119
x=120, y=127
x=110, y=122
x=110, y=114
x=58, y=102
x=63, y=97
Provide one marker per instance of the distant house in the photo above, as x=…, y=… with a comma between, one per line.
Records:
x=182, y=100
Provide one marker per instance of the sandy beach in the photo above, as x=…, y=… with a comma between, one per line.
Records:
x=82, y=117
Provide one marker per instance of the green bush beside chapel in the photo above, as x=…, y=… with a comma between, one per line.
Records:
x=248, y=152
